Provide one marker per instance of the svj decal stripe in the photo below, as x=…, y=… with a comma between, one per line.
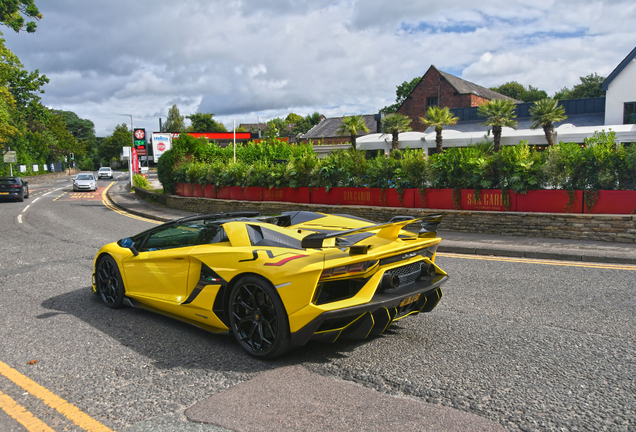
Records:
x=285, y=261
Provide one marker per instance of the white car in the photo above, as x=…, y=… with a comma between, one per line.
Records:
x=105, y=172
x=84, y=181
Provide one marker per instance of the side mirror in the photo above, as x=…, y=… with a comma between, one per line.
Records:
x=129, y=244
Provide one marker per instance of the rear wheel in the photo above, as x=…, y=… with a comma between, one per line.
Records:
x=258, y=318
x=110, y=286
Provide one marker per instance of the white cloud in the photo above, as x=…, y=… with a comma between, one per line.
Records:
x=248, y=58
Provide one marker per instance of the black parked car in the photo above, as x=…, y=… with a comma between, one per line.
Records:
x=13, y=188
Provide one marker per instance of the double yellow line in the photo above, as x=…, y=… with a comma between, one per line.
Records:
x=540, y=261
x=32, y=423
x=108, y=204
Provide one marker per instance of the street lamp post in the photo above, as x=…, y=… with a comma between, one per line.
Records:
x=132, y=135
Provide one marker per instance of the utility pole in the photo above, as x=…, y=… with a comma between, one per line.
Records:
x=132, y=136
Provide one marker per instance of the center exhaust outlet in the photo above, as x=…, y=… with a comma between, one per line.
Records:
x=428, y=270
x=390, y=281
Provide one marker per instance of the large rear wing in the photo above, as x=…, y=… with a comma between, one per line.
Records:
x=389, y=230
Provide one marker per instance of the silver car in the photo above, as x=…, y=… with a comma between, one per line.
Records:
x=85, y=181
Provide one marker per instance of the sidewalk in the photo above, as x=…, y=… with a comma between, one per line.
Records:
x=452, y=241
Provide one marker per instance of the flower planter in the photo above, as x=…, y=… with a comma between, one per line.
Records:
x=321, y=196
x=549, y=201
x=354, y=196
x=253, y=193
x=614, y=202
x=199, y=191
x=237, y=193
x=187, y=189
x=300, y=195
x=391, y=198
x=209, y=191
x=223, y=193
x=435, y=199
x=488, y=200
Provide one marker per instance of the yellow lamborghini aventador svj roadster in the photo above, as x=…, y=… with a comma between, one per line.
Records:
x=277, y=282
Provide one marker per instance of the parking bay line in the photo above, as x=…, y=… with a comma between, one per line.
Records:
x=71, y=412
x=539, y=261
x=22, y=416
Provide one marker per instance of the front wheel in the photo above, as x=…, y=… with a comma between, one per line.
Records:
x=258, y=318
x=110, y=286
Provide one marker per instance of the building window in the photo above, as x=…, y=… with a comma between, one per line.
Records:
x=629, y=113
x=431, y=101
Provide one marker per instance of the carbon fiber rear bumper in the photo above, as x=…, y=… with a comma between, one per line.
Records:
x=358, y=322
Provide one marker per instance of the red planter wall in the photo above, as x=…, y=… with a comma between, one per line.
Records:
x=488, y=200
x=301, y=195
x=177, y=189
x=209, y=191
x=223, y=192
x=199, y=191
x=320, y=196
x=253, y=193
x=549, y=201
x=435, y=199
x=614, y=202
x=391, y=198
x=187, y=189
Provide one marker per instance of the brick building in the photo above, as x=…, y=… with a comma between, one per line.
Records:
x=437, y=88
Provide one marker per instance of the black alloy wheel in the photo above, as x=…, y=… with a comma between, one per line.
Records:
x=258, y=318
x=110, y=286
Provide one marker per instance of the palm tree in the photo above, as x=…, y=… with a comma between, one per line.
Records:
x=352, y=126
x=394, y=124
x=498, y=113
x=438, y=117
x=545, y=113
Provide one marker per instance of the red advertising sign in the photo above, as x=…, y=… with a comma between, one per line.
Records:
x=140, y=134
x=134, y=163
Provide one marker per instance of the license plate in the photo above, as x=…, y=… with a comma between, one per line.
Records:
x=410, y=300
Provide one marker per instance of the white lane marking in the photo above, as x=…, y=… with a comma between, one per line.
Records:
x=19, y=218
x=25, y=209
x=36, y=200
x=46, y=194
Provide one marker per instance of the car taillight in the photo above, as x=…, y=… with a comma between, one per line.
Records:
x=15, y=186
x=348, y=269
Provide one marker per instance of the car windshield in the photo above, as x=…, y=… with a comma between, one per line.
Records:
x=104, y=169
x=84, y=177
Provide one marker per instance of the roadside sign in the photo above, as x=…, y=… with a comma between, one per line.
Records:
x=10, y=157
x=134, y=163
x=161, y=142
x=140, y=134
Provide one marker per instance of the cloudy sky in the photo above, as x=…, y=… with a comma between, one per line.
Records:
x=267, y=58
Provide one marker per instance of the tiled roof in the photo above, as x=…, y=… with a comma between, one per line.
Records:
x=466, y=87
x=578, y=120
x=328, y=127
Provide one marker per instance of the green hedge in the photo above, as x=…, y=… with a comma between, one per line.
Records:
x=599, y=164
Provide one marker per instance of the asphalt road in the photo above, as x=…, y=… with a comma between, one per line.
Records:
x=528, y=345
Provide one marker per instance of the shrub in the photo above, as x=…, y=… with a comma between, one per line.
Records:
x=141, y=182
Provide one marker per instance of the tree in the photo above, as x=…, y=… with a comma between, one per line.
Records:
x=590, y=86
x=401, y=93
x=394, y=124
x=438, y=118
x=352, y=126
x=545, y=113
x=13, y=13
x=517, y=91
x=175, y=122
x=293, y=118
x=498, y=113
x=203, y=122
x=112, y=146
x=304, y=125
